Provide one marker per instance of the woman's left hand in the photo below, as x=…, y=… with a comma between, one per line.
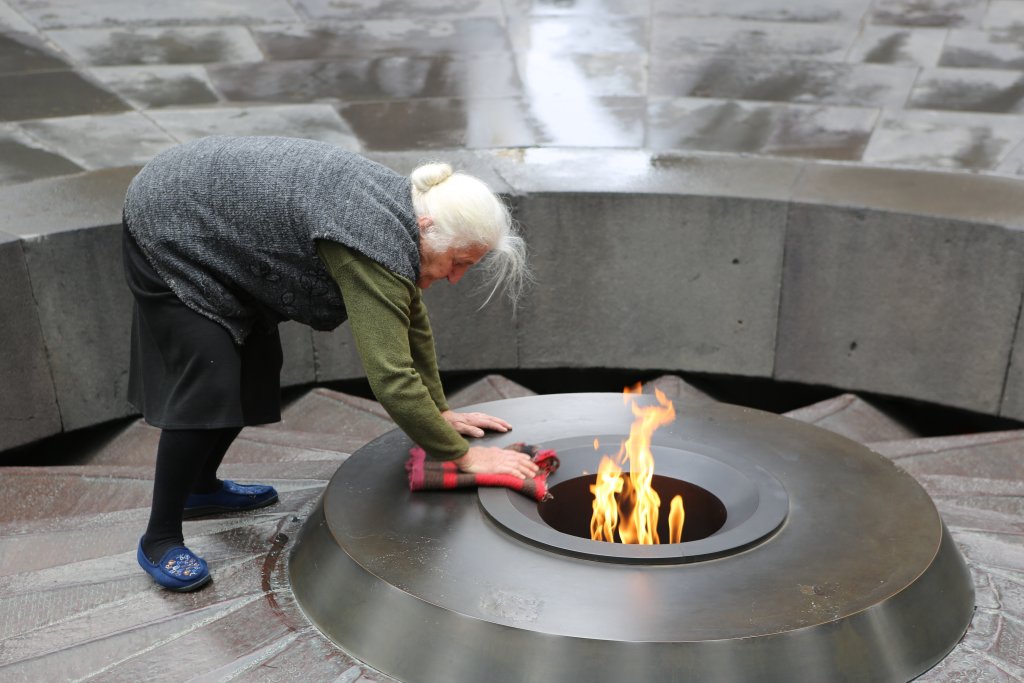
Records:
x=474, y=424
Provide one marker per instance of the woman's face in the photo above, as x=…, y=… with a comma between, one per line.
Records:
x=444, y=264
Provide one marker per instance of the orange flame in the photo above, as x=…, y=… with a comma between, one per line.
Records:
x=676, y=517
x=635, y=514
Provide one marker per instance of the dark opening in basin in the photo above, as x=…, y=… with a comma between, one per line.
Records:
x=572, y=507
x=733, y=503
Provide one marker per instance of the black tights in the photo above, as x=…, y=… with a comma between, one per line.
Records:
x=186, y=462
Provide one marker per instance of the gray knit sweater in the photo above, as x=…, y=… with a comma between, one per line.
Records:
x=231, y=224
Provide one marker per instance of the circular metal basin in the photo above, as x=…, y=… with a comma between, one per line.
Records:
x=832, y=564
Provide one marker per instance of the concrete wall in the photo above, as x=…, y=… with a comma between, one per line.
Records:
x=898, y=282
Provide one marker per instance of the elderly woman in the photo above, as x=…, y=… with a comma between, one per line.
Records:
x=225, y=238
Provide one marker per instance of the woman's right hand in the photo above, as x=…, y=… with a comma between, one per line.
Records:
x=488, y=460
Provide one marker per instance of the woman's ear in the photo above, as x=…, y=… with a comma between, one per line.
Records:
x=425, y=223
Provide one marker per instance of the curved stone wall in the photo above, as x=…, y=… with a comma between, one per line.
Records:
x=906, y=283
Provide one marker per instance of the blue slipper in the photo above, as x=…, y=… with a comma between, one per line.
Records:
x=179, y=570
x=231, y=497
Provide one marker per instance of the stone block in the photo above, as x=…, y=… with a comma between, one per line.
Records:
x=102, y=141
x=898, y=304
x=652, y=282
x=965, y=197
x=313, y=121
x=53, y=94
x=167, y=45
x=28, y=403
x=299, y=359
x=22, y=159
x=51, y=14
x=467, y=336
x=1012, y=404
x=85, y=314
x=643, y=172
x=335, y=356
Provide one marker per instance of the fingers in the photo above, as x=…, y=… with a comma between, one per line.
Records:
x=521, y=465
x=474, y=424
x=485, y=421
x=497, y=461
x=527, y=467
x=467, y=429
x=490, y=422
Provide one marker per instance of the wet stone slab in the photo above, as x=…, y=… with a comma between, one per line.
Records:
x=504, y=122
x=379, y=9
x=382, y=36
x=818, y=132
x=158, y=86
x=825, y=11
x=554, y=35
x=139, y=45
x=905, y=46
x=588, y=122
x=939, y=13
x=567, y=76
x=53, y=93
x=979, y=90
x=313, y=121
x=733, y=38
x=1004, y=14
x=943, y=139
x=612, y=8
x=984, y=49
x=441, y=123
x=782, y=80
x=102, y=141
x=489, y=75
x=48, y=14
x=13, y=20
x=22, y=159
x=23, y=53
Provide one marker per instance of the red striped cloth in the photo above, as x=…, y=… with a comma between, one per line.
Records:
x=434, y=475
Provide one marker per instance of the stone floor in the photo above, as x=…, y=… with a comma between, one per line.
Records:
x=75, y=606
x=911, y=83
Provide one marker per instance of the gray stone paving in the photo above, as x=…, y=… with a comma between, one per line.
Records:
x=932, y=84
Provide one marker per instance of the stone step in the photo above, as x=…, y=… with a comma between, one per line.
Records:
x=852, y=417
x=990, y=455
x=84, y=538
x=276, y=435
x=325, y=411
x=679, y=390
x=309, y=657
x=135, y=445
x=489, y=388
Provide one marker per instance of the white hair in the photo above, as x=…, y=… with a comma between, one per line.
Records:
x=465, y=212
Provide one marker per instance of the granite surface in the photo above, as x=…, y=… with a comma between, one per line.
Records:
x=898, y=83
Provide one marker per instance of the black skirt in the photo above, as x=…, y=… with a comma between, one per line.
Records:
x=186, y=370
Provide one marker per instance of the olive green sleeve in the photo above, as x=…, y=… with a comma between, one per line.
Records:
x=382, y=312
x=424, y=355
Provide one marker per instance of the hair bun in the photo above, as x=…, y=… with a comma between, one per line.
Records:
x=428, y=175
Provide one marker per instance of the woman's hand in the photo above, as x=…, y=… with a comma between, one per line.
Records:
x=488, y=460
x=474, y=424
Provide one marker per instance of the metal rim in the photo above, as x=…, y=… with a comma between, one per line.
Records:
x=756, y=502
x=862, y=582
